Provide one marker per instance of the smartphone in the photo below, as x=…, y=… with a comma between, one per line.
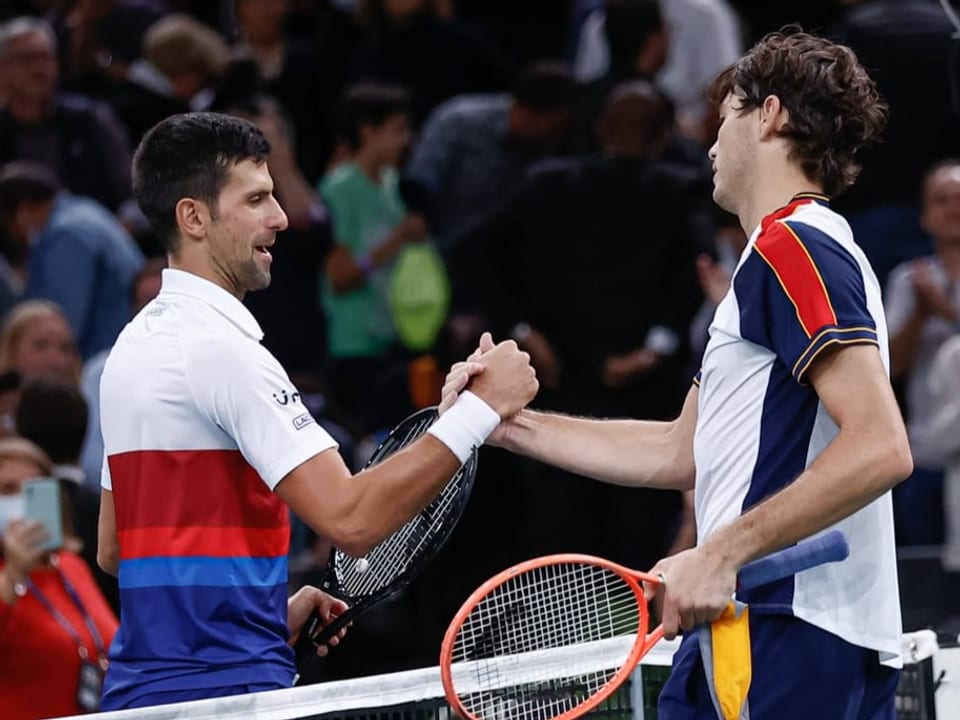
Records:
x=42, y=502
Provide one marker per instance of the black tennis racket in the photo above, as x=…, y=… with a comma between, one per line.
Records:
x=384, y=571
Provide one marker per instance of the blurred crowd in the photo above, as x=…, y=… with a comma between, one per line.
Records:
x=537, y=169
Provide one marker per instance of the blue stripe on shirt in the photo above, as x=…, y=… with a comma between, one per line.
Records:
x=201, y=571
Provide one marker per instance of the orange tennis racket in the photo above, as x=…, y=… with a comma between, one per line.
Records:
x=553, y=637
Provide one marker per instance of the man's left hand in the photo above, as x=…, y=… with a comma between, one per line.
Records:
x=303, y=602
x=698, y=585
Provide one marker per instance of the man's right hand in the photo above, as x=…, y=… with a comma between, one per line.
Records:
x=508, y=382
x=523, y=384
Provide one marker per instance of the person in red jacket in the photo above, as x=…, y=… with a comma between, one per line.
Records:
x=55, y=625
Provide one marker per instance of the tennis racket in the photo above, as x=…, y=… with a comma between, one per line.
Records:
x=363, y=582
x=553, y=637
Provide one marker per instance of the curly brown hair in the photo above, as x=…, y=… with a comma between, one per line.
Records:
x=834, y=106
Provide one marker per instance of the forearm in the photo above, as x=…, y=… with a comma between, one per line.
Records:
x=854, y=470
x=356, y=512
x=622, y=452
x=347, y=272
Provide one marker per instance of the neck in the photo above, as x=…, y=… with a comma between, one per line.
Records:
x=204, y=268
x=949, y=255
x=770, y=194
x=370, y=165
x=28, y=111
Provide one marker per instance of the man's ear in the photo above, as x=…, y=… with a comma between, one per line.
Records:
x=193, y=218
x=773, y=117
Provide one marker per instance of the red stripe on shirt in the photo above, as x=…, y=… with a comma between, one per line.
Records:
x=200, y=541
x=786, y=255
x=191, y=488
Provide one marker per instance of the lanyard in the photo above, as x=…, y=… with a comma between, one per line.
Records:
x=66, y=624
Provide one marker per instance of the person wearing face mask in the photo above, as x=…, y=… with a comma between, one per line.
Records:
x=71, y=250
x=55, y=625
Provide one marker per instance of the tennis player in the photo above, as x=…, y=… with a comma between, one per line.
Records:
x=207, y=441
x=791, y=426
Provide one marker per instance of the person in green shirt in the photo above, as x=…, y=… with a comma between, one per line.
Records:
x=370, y=227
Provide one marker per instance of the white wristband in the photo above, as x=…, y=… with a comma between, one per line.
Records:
x=466, y=425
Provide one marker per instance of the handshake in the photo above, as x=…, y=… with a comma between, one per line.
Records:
x=499, y=374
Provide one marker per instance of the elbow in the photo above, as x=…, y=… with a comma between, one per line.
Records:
x=108, y=560
x=354, y=540
x=896, y=460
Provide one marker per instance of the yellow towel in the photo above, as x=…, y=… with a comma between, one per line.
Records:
x=730, y=635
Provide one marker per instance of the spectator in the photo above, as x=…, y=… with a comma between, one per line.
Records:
x=54, y=416
x=78, y=140
x=923, y=310
x=370, y=227
x=303, y=78
x=78, y=253
x=475, y=149
x=908, y=48
x=55, y=626
x=182, y=60
x=36, y=342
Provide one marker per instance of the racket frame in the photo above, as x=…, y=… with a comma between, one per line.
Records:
x=645, y=638
x=310, y=637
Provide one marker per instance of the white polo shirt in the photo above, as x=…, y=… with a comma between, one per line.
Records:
x=801, y=285
x=200, y=423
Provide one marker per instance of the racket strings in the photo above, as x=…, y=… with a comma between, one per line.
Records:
x=545, y=641
x=360, y=577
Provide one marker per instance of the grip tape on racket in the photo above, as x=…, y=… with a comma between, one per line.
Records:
x=830, y=547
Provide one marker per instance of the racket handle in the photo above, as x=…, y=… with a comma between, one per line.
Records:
x=831, y=547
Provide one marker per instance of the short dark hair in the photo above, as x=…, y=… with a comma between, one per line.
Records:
x=22, y=181
x=369, y=103
x=545, y=86
x=834, y=106
x=54, y=416
x=190, y=155
x=628, y=25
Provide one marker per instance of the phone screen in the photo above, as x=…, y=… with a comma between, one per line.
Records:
x=42, y=502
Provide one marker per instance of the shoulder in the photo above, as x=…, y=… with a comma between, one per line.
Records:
x=470, y=109
x=343, y=179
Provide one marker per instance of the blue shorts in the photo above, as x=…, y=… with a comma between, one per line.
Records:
x=799, y=672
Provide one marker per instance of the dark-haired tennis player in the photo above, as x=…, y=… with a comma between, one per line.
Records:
x=207, y=442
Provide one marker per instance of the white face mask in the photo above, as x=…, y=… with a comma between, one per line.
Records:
x=11, y=508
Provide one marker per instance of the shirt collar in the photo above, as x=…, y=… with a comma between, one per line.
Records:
x=804, y=198
x=180, y=282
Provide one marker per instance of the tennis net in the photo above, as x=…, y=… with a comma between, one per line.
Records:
x=418, y=694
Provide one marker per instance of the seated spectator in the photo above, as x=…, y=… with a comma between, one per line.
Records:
x=77, y=253
x=55, y=626
x=54, y=416
x=182, y=60
x=36, y=342
x=923, y=310
x=77, y=139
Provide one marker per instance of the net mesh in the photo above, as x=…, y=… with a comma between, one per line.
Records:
x=411, y=695
x=512, y=658
x=418, y=695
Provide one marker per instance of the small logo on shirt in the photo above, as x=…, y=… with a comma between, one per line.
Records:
x=301, y=421
x=284, y=398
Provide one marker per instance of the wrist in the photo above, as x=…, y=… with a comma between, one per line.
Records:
x=466, y=425
x=12, y=586
x=366, y=265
